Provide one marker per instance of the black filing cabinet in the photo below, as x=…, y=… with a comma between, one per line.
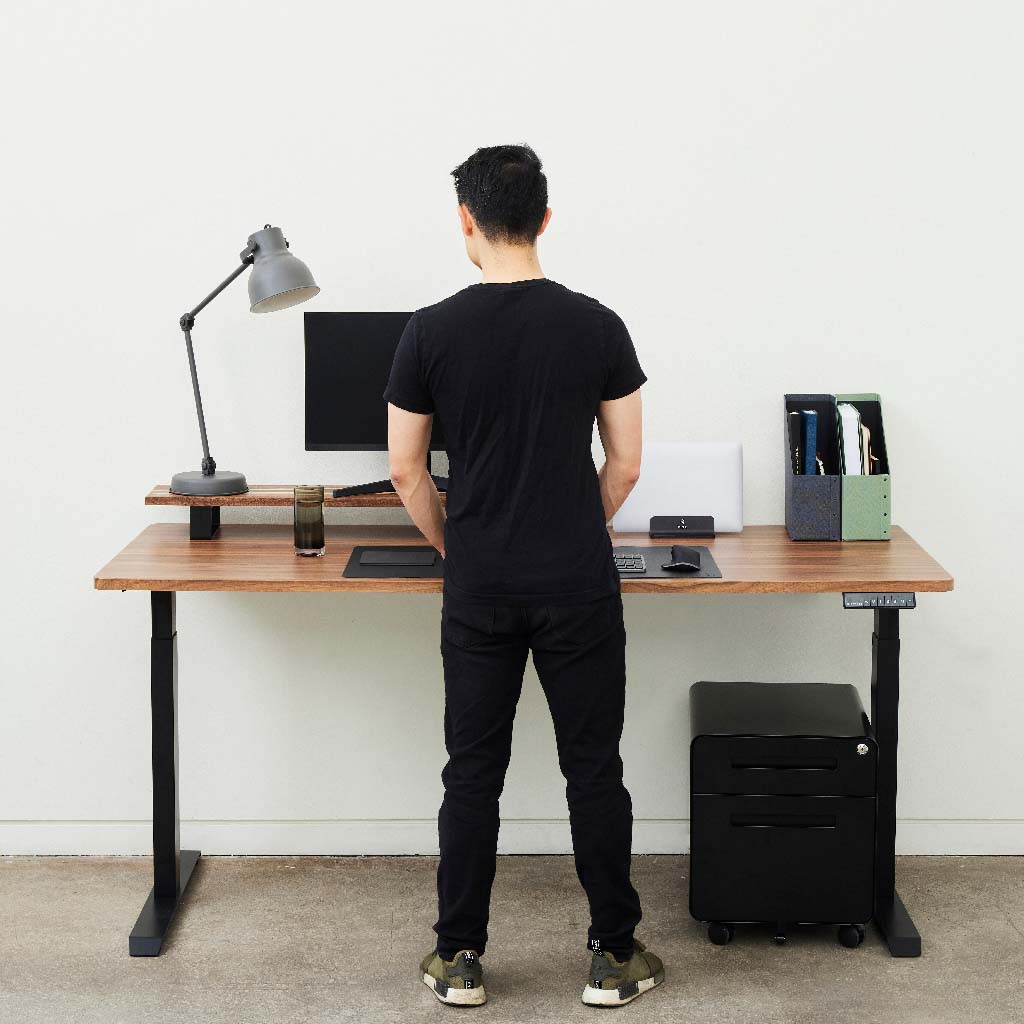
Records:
x=782, y=807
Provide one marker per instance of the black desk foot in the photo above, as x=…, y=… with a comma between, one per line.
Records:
x=147, y=936
x=898, y=930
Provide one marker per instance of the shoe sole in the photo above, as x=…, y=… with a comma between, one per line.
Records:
x=456, y=996
x=614, y=997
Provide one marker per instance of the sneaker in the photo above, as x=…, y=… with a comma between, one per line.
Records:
x=615, y=983
x=458, y=982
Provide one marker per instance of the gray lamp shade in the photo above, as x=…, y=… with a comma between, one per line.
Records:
x=278, y=279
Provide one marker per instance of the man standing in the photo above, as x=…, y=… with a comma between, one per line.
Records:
x=518, y=367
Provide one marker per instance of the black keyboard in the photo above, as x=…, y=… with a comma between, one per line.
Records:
x=630, y=562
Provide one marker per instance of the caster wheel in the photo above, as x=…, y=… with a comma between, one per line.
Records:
x=779, y=938
x=851, y=935
x=720, y=934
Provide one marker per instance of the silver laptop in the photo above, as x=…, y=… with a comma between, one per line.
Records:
x=686, y=478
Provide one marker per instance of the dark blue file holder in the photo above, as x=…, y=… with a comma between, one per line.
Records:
x=813, y=502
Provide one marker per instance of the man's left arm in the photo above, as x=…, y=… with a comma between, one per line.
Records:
x=620, y=424
x=408, y=446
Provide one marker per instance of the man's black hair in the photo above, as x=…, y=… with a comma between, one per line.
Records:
x=505, y=190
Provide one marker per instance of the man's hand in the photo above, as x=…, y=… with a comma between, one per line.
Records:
x=620, y=424
x=408, y=445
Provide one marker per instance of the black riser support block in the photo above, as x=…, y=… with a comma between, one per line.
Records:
x=203, y=522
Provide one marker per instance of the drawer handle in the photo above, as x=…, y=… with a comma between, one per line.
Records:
x=789, y=764
x=782, y=820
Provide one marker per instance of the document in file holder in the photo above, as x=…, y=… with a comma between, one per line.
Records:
x=809, y=433
x=850, y=439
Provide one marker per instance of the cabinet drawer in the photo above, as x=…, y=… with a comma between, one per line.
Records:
x=783, y=765
x=782, y=858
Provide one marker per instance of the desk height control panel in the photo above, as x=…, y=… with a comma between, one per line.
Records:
x=879, y=600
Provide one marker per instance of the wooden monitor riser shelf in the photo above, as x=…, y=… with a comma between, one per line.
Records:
x=269, y=495
x=204, y=510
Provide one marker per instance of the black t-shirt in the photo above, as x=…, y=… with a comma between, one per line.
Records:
x=516, y=373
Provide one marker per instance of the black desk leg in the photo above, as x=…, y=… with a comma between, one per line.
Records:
x=891, y=916
x=172, y=867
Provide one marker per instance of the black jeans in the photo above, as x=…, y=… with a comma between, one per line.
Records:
x=579, y=652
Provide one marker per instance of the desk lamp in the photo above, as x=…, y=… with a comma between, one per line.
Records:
x=278, y=280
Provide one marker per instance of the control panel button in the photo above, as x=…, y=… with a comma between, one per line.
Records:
x=879, y=600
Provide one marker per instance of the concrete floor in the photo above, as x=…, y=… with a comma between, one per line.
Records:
x=339, y=939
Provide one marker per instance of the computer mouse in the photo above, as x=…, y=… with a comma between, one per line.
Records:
x=683, y=559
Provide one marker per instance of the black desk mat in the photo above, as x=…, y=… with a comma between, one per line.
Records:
x=393, y=572
x=655, y=555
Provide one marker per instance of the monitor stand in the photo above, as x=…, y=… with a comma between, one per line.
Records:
x=385, y=486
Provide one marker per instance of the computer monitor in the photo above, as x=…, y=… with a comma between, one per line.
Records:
x=348, y=362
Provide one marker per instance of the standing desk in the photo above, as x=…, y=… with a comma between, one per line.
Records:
x=761, y=560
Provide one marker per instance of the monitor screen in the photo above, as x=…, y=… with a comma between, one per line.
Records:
x=348, y=362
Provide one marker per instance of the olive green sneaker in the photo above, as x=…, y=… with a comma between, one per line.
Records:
x=615, y=983
x=459, y=981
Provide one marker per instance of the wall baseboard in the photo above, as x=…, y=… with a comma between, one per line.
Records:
x=419, y=836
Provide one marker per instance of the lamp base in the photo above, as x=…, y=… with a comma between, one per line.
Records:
x=196, y=483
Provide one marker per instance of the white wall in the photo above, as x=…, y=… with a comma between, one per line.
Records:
x=776, y=197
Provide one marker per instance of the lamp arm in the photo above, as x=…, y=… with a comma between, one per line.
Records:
x=187, y=320
x=209, y=466
x=186, y=323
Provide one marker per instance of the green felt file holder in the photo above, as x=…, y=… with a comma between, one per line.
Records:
x=813, y=502
x=867, y=499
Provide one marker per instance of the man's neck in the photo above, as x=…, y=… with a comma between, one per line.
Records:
x=507, y=263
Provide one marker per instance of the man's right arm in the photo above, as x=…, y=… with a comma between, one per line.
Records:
x=620, y=424
x=408, y=447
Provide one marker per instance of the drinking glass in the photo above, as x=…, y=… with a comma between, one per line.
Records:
x=309, y=520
